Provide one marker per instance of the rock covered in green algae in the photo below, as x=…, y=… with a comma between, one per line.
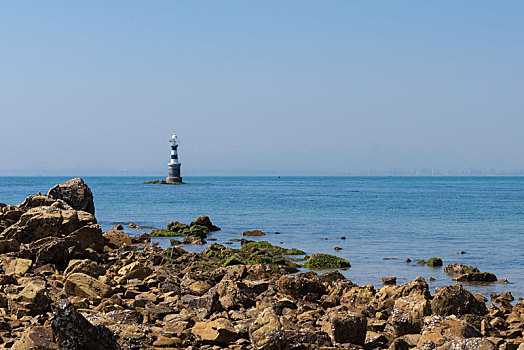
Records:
x=435, y=262
x=265, y=245
x=325, y=261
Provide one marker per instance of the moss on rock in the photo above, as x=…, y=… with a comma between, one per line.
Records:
x=325, y=261
x=435, y=262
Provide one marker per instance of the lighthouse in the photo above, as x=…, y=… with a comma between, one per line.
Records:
x=174, y=164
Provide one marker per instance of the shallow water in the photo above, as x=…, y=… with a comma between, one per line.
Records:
x=381, y=217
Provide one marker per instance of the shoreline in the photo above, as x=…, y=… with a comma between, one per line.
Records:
x=63, y=273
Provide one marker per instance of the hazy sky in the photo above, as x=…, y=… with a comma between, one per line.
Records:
x=256, y=87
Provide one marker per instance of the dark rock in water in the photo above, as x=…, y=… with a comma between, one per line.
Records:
x=325, y=261
x=459, y=269
x=75, y=193
x=253, y=233
x=408, y=260
x=391, y=281
x=476, y=277
x=117, y=227
x=337, y=249
x=435, y=262
x=73, y=332
x=203, y=220
x=455, y=300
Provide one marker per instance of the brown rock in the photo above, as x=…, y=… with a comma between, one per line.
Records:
x=267, y=333
x=72, y=331
x=439, y=331
x=234, y=294
x=84, y=266
x=75, y=193
x=476, y=277
x=218, y=331
x=32, y=300
x=18, y=267
x=135, y=270
x=82, y=285
x=345, y=327
x=392, y=281
x=301, y=284
x=36, y=338
x=253, y=233
x=88, y=236
x=455, y=300
x=9, y=245
x=203, y=220
x=459, y=269
x=117, y=238
x=408, y=315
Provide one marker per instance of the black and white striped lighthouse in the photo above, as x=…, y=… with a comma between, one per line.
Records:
x=174, y=164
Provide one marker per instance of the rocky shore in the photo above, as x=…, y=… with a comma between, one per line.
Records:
x=65, y=284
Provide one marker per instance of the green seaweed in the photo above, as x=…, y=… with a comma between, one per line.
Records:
x=325, y=261
x=435, y=262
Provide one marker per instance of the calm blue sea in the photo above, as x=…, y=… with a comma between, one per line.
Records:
x=381, y=217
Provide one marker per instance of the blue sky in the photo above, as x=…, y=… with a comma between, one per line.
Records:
x=269, y=87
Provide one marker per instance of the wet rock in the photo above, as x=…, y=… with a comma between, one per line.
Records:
x=75, y=193
x=253, y=233
x=455, y=300
x=203, y=220
x=36, y=338
x=117, y=227
x=392, y=281
x=267, y=332
x=459, y=269
x=325, y=261
x=73, y=332
x=476, y=277
x=82, y=285
x=117, y=238
x=345, y=327
x=435, y=262
x=220, y=330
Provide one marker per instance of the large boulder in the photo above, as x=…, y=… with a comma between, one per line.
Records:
x=459, y=269
x=345, y=327
x=41, y=222
x=234, y=295
x=72, y=331
x=117, y=238
x=455, y=300
x=135, y=270
x=75, y=193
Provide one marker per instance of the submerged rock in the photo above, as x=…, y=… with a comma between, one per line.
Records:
x=253, y=233
x=476, y=277
x=203, y=220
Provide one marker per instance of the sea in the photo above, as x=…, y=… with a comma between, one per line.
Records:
x=476, y=221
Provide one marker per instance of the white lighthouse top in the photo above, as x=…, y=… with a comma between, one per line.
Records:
x=173, y=140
